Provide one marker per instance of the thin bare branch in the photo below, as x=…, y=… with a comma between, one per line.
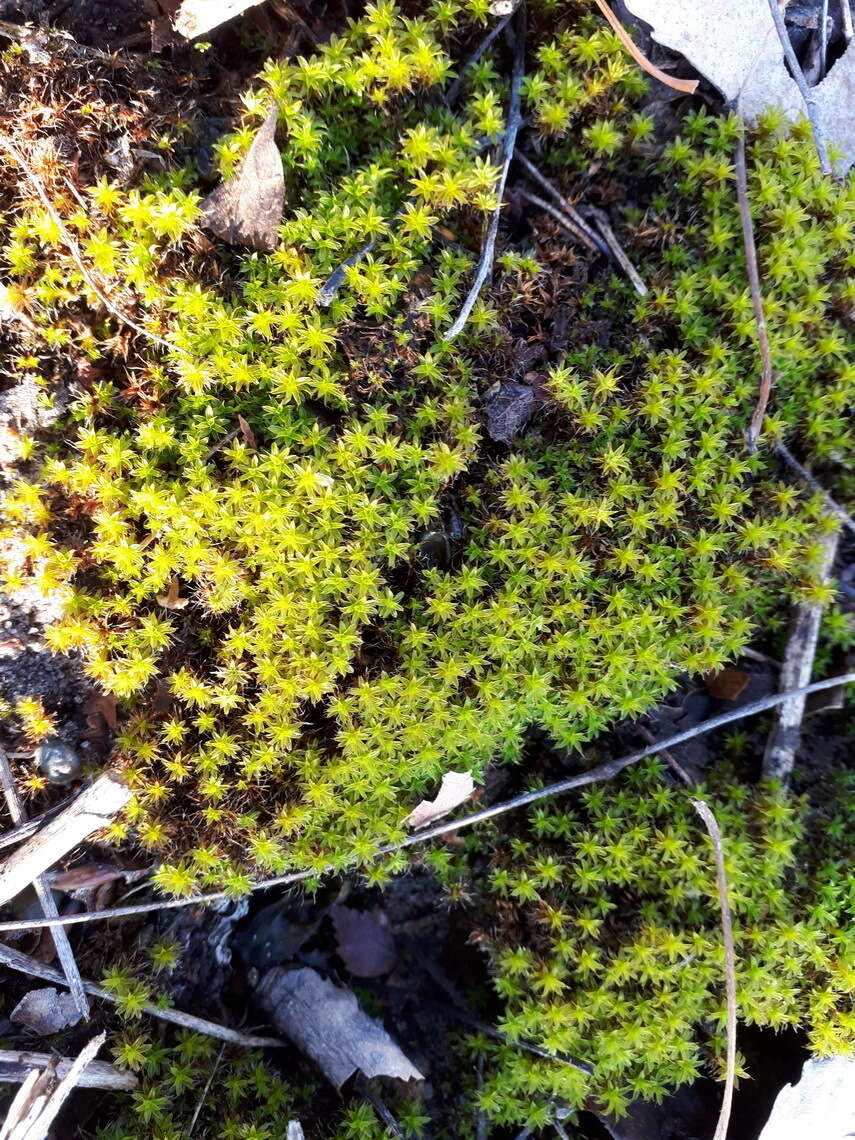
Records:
x=564, y=204
x=805, y=91
x=618, y=252
x=45, y=896
x=785, y=734
x=15, y=1064
x=453, y=93
x=25, y=830
x=488, y=252
x=756, y=425
x=563, y=219
x=711, y=824
x=24, y=964
x=784, y=453
x=687, y=86
x=15, y=154
x=593, y=776
x=93, y=809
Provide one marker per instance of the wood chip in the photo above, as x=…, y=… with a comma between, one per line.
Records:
x=326, y=1023
x=196, y=17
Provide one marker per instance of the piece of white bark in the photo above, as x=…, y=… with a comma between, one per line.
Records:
x=43, y=1094
x=195, y=17
x=95, y=807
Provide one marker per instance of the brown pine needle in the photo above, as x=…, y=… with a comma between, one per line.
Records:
x=687, y=86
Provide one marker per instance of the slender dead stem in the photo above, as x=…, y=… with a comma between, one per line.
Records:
x=756, y=425
x=805, y=91
x=563, y=220
x=488, y=252
x=45, y=896
x=200, y=1102
x=618, y=252
x=687, y=86
x=593, y=776
x=785, y=734
x=711, y=824
x=453, y=93
x=564, y=204
x=784, y=453
x=14, y=153
x=24, y=964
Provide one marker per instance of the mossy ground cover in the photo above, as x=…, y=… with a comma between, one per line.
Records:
x=236, y=504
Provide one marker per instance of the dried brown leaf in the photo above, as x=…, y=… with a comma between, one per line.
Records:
x=727, y=684
x=170, y=600
x=247, y=209
x=364, y=941
x=456, y=788
x=46, y=1011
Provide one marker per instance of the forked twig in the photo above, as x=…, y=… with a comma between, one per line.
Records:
x=805, y=91
x=73, y=248
x=488, y=251
x=711, y=824
x=24, y=964
x=756, y=425
x=45, y=896
x=561, y=218
x=593, y=776
x=564, y=204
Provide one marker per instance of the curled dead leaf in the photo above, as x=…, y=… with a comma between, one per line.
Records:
x=456, y=788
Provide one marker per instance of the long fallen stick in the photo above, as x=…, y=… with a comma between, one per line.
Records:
x=16, y=1064
x=24, y=964
x=43, y=1094
x=93, y=809
x=45, y=896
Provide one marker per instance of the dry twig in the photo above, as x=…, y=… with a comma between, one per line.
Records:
x=24, y=964
x=687, y=86
x=563, y=219
x=748, y=243
x=712, y=827
x=784, y=737
x=45, y=896
x=488, y=252
x=564, y=204
x=42, y=1095
x=784, y=453
x=805, y=91
x=617, y=250
x=14, y=153
x=593, y=776
x=16, y=1064
x=453, y=93
x=94, y=808
x=25, y=830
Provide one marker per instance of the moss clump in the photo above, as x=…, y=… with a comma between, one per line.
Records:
x=610, y=948
x=269, y=574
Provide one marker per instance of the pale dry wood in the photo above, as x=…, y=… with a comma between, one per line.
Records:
x=16, y=1065
x=24, y=964
x=38, y=1102
x=195, y=17
x=595, y=775
x=711, y=824
x=45, y=896
x=786, y=731
x=95, y=807
x=610, y=238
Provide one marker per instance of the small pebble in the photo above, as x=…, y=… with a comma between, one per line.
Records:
x=58, y=762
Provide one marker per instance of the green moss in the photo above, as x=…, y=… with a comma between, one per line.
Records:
x=610, y=946
x=321, y=675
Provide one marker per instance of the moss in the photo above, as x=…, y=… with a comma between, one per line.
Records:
x=609, y=945
x=247, y=506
